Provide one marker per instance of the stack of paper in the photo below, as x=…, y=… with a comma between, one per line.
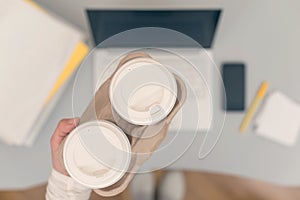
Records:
x=279, y=119
x=38, y=54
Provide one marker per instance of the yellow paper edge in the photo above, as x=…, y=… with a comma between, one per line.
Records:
x=80, y=52
x=35, y=5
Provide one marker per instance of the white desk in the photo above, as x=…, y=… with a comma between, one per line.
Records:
x=265, y=35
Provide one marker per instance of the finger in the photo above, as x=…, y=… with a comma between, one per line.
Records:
x=64, y=127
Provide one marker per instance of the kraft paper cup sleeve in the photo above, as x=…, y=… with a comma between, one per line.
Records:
x=100, y=108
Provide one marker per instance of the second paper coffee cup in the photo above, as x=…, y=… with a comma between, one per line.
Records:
x=143, y=91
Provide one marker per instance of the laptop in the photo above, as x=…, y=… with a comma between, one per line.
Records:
x=200, y=25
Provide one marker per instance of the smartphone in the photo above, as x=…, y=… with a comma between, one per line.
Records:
x=234, y=83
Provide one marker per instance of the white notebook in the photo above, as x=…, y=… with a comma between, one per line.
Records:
x=35, y=48
x=279, y=119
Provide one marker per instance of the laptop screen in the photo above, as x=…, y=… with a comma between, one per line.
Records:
x=200, y=25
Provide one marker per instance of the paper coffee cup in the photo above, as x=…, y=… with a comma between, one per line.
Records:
x=143, y=91
x=97, y=154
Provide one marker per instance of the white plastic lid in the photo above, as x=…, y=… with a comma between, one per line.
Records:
x=143, y=91
x=97, y=154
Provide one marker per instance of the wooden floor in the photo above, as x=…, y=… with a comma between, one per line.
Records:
x=200, y=186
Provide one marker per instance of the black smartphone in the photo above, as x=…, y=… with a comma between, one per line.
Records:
x=234, y=83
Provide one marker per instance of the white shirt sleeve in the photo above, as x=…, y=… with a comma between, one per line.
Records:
x=61, y=187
